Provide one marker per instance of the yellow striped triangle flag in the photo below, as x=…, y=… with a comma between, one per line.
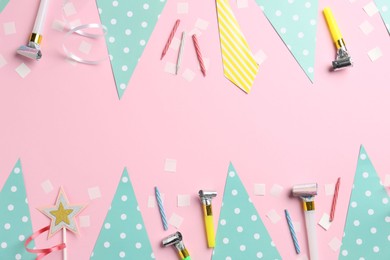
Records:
x=239, y=65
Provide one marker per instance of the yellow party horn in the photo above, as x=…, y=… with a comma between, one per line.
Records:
x=206, y=197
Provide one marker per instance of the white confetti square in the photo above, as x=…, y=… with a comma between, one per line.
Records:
x=276, y=190
x=47, y=186
x=9, y=28
x=195, y=31
x=201, y=24
x=23, y=70
x=335, y=244
x=375, y=54
x=188, y=75
x=260, y=57
x=387, y=180
x=3, y=62
x=242, y=4
x=151, y=201
x=170, y=68
x=183, y=200
x=273, y=216
x=182, y=8
x=366, y=27
x=94, y=193
x=324, y=221
x=259, y=189
x=85, y=47
x=175, y=44
x=303, y=257
x=170, y=165
x=58, y=25
x=329, y=189
x=370, y=9
x=175, y=220
x=297, y=226
x=84, y=221
x=69, y=9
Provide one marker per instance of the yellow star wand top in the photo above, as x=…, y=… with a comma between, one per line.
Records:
x=61, y=214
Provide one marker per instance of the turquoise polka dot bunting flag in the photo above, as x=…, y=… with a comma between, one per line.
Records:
x=296, y=23
x=241, y=233
x=384, y=9
x=367, y=228
x=130, y=24
x=123, y=235
x=15, y=224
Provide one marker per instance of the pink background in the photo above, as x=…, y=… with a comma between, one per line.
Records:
x=66, y=124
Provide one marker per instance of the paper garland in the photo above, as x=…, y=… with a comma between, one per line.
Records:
x=123, y=234
x=15, y=223
x=367, y=227
x=129, y=27
x=241, y=233
x=296, y=24
x=384, y=9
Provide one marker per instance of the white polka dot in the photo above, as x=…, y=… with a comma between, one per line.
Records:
x=115, y=3
x=122, y=86
x=127, y=31
x=146, y=6
x=365, y=175
x=122, y=235
x=124, y=198
x=223, y=222
x=17, y=170
x=356, y=223
x=359, y=241
x=368, y=193
x=307, y=4
x=10, y=207
x=126, y=50
x=375, y=249
x=242, y=248
x=249, y=200
x=129, y=14
x=253, y=217
x=124, y=68
x=14, y=189
x=363, y=156
x=387, y=219
x=100, y=10
x=122, y=254
x=373, y=230
x=239, y=229
x=259, y=255
x=123, y=217
x=295, y=17
x=237, y=211
x=384, y=8
x=305, y=52
x=138, y=245
x=283, y=30
x=234, y=192
x=138, y=226
x=7, y=226
x=142, y=42
x=290, y=1
x=125, y=179
x=228, y=258
x=144, y=24
x=301, y=34
x=388, y=237
x=353, y=204
x=24, y=219
x=362, y=258
x=313, y=22
x=21, y=238
x=232, y=174
x=385, y=200
x=107, y=226
x=113, y=21
x=18, y=256
x=225, y=240
x=370, y=212
x=310, y=70
x=344, y=252
x=3, y=245
x=111, y=57
x=256, y=236
x=152, y=255
x=106, y=244
x=111, y=39
x=272, y=244
x=278, y=13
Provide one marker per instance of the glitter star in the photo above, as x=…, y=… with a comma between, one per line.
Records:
x=62, y=215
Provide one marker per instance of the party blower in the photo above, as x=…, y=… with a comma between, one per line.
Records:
x=343, y=59
x=307, y=192
x=33, y=50
x=206, y=197
x=176, y=239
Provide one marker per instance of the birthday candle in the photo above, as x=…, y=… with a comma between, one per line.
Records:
x=292, y=232
x=161, y=208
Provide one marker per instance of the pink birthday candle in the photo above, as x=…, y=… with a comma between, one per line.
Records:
x=335, y=195
x=199, y=54
x=170, y=38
